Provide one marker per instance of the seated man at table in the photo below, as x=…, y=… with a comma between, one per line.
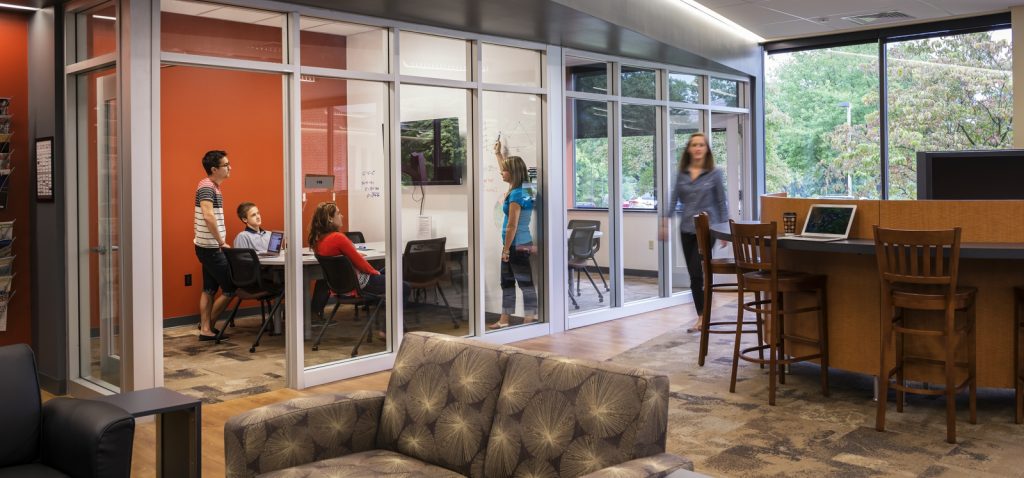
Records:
x=254, y=236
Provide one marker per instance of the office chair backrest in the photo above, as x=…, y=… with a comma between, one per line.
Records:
x=574, y=223
x=20, y=413
x=356, y=237
x=340, y=274
x=424, y=260
x=244, y=269
x=580, y=242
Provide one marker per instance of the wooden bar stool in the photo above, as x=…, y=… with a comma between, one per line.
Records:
x=916, y=273
x=710, y=267
x=756, y=247
x=1018, y=367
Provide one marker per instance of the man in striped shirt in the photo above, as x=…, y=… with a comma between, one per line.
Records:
x=210, y=238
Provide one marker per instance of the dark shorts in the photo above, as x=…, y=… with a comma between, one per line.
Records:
x=215, y=271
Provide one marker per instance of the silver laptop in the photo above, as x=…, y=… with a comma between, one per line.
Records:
x=274, y=246
x=827, y=222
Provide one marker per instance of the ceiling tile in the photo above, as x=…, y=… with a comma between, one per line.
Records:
x=716, y=4
x=961, y=7
x=824, y=8
x=750, y=16
x=794, y=28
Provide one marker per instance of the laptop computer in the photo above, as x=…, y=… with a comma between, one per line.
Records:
x=827, y=222
x=274, y=246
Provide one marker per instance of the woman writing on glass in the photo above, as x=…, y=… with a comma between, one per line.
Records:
x=699, y=187
x=517, y=244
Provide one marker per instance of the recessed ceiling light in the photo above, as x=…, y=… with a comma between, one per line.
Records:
x=18, y=7
x=104, y=17
x=725, y=21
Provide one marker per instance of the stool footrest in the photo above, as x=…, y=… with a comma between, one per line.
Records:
x=928, y=391
x=785, y=361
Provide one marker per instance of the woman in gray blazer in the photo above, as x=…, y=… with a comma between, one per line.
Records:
x=699, y=187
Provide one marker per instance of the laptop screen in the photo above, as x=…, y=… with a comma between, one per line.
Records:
x=828, y=220
x=276, y=238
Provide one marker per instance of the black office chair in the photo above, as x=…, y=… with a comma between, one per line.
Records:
x=245, y=274
x=595, y=244
x=62, y=437
x=341, y=277
x=424, y=266
x=356, y=237
x=580, y=251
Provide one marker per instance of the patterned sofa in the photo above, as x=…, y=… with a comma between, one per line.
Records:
x=457, y=407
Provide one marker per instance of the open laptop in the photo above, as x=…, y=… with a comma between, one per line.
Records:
x=827, y=222
x=274, y=246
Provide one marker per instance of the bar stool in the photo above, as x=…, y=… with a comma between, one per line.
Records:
x=1018, y=369
x=710, y=267
x=756, y=247
x=917, y=274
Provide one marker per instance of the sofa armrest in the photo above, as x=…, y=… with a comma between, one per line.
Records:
x=656, y=466
x=299, y=431
x=86, y=438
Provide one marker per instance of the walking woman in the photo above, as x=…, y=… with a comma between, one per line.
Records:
x=699, y=187
x=517, y=244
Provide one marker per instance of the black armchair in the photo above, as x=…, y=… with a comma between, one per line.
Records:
x=64, y=437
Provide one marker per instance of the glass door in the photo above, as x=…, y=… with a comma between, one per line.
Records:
x=729, y=148
x=99, y=229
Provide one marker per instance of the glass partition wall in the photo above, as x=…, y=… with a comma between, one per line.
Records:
x=627, y=125
x=417, y=155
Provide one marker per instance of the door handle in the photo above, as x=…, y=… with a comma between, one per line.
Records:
x=98, y=250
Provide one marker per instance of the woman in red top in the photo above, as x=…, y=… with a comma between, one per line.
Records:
x=326, y=240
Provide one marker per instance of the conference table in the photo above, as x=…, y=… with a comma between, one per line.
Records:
x=311, y=271
x=990, y=257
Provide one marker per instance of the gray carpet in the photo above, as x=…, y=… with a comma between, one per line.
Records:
x=809, y=435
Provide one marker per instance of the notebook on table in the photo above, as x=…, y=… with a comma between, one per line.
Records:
x=274, y=247
x=827, y=222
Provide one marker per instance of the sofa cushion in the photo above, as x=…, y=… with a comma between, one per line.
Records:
x=440, y=400
x=565, y=417
x=21, y=410
x=373, y=463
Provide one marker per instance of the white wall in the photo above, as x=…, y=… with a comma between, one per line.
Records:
x=640, y=238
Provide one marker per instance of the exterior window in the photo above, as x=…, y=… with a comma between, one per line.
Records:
x=725, y=92
x=586, y=76
x=639, y=82
x=511, y=66
x=684, y=88
x=434, y=57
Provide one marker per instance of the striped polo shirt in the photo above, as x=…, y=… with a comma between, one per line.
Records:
x=207, y=190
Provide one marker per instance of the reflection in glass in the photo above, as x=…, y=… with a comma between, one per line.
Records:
x=821, y=122
x=681, y=123
x=587, y=76
x=434, y=56
x=587, y=262
x=639, y=176
x=220, y=30
x=343, y=138
x=99, y=230
x=725, y=92
x=435, y=219
x=512, y=291
x=343, y=46
x=946, y=93
x=97, y=31
x=639, y=82
x=511, y=66
x=683, y=87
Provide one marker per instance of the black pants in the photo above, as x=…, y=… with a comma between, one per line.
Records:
x=517, y=270
x=692, y=255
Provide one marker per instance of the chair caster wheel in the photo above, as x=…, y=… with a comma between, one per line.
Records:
x=316, y=347
x=601, y=299
x=577, y=307
x=252, y=350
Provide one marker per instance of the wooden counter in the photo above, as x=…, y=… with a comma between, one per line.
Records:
x=992, y=259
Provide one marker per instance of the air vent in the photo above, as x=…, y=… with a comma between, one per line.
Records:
x=880, y=17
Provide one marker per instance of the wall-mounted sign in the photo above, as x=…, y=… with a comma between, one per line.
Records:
x=44, y=169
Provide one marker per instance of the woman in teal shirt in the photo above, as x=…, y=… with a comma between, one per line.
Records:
x=517, y=244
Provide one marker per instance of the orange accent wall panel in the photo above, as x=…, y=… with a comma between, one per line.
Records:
x=204, y=109
x=14, y=84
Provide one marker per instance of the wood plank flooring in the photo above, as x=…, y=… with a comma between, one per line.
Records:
x=596, y=342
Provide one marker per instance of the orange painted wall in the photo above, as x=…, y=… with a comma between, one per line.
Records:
x=21, y=190
x=203, y=109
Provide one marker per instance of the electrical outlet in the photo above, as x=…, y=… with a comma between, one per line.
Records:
x=650, y=245
x=188, y=280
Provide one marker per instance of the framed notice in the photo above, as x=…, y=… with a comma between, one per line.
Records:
x=44, y=169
